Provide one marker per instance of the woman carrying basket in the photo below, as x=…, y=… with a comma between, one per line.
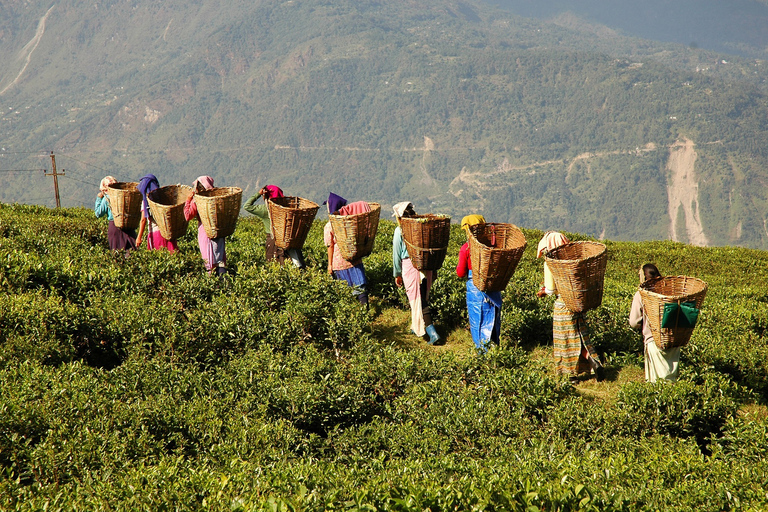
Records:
x=352, y=272
x=119, y=239
x=155, y=239
x=417, y=284
x=484, y=309
x=572, y=350
x=212, y=249
x=659, y=364
x=272, y=251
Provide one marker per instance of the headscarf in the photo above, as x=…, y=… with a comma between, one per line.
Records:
x=471, y=220
x=400, y=208
x=334, y=202
x=550, y=240
x=106, y=182
x=147, y=184
x=205, y=181
x=273, y=191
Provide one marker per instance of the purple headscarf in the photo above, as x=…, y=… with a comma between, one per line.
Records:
x=147, y=184
x=334, y=202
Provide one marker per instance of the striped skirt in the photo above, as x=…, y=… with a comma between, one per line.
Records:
x=570, y=334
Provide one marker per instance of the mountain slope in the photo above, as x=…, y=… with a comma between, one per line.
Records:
x=456, y=106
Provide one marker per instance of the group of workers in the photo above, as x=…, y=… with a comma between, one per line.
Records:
x=573, y=352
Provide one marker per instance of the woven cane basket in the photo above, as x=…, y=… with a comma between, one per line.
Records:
x=671, y=289
x=579, y=270
x=355, y=234
x=291, y=219
x=495, y=250
x=167, y=207
x=219, y=208
x=426, y=239
x=125, y=202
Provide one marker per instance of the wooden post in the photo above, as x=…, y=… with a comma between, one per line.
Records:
x=55, y=179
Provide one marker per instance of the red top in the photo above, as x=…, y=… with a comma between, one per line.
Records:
x=465, y=264
x=190, y=208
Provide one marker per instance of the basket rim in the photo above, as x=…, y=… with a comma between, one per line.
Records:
x=604, y=248
x=514, y=229
x=278, y=205
x=374, y=206
x=704, y=286
x=231, y=191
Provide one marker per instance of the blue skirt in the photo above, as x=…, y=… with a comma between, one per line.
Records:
x=355, y=277
x=484, y=311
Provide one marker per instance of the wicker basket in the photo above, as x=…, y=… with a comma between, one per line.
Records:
x=167, y=207
x=494, y=250
x=291, y=219
x=125, y=202
x=219, y=208
x=426, y=239
x=355, y=234
x=663, y=290
x=579, y=270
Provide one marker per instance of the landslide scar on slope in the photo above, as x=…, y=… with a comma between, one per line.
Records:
x=29, y=48
x=683, y=191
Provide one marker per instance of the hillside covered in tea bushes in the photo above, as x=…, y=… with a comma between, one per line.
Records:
x=142, y=383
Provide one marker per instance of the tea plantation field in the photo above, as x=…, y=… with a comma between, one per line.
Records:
x=143, y=383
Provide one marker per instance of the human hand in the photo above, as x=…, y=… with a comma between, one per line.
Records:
x=399, y=281
x=100, y=194
x=542, y=292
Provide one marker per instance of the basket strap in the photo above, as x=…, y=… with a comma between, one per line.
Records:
x=434, y=249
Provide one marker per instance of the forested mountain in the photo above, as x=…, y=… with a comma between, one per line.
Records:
x=458, y=106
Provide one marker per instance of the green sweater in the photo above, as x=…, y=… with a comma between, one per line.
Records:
x=259, y=210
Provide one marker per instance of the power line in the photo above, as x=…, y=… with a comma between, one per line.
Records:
x=22, y=170
x=84, y=163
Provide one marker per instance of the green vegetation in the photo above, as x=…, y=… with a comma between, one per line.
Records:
x=144, y=383
x=460, y=106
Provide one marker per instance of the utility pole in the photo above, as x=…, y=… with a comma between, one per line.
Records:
x=55, y=179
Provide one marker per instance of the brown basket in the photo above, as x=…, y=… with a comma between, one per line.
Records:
x=125, y=202
x=579, y=270
x=427, y=231
x=219, y=208
x=494, y=250
x=291, y=219
x=167, y=207
x=662, y=290
x=355, y=234
x=426, y=239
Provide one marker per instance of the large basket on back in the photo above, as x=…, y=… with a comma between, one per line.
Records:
x=167, y=207
x=291, y=219
x=426, y=239
x=125, y=202
x=578, y=269
x=219, y=208
x=495, y=250
x=666, y=290
x=355, y=234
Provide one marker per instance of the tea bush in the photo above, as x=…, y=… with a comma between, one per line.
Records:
x=145, y=383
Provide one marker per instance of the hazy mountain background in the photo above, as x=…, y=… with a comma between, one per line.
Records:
x=630, y=121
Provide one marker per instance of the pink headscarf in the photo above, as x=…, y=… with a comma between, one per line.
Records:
x=273, y=191
x=550, y=240
x=205, y=181
x=106, y=182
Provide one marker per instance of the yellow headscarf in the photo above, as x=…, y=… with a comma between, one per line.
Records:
x=471, y=220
